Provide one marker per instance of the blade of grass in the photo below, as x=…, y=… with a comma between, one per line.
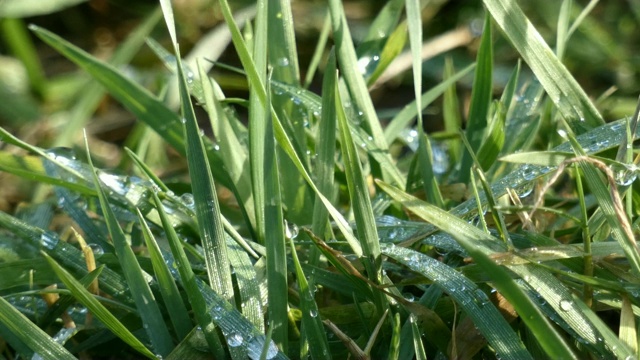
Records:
x=26, y=8
x=325, y=148
x=564, y=91
x=97, y=309
x=280, y=133
x=266, y=183
x=346, y=55
x=142, y=295
x=168, y=288
x=30, y=334
x=478, y=244
x=359, y=195
x=206, y=199
x=425, y=157
x=188, y=278
x=480, y=100
x=472, y=299
x=311, y=321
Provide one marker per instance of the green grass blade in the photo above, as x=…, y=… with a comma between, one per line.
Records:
x=325, y=147
x=359, y=194
x=168, y=288
x=266, y=185
x=425, y=158
x=472, y=299
x=26, y=8
x=564, y=91
x=30, y=334
x=478, y=244
x=311, y=321
x=493, y=143
x=404, y=117
x=142, y=295
x=451, y=111
x=318, y=52
x=97, y=309
x=196, y=298
x=206, y=200
x=232, y=152
x=480, y=100
x=284, y=57
x=346, y=55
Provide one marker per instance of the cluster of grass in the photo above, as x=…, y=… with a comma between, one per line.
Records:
x=309, y=229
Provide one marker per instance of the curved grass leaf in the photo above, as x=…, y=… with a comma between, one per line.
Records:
x=97, y=309
x=140, y=290
x=168, y=288
x=479, y=245
x=480, y=100
x=472, y=299
x=30, y=334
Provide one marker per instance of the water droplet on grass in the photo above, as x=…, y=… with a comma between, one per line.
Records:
x=235, y=340
x=566, y=304
x=97, y=250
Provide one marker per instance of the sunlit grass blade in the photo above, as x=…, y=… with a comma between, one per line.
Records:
x=472, y=299
x=30, y=334
x=563, y=90
x=392, y=48
x=283, y=58
x=98, y=310
x=140, y=290
x=628, y=332
x=30, y=167
x=346, y=55
x=424, y=154
x=359, y=194
x=234, y=155
x=325, y=147
x=480, y=100
x=479, y=244
x=168, y=288
x=206, y=200
x=266, y=184
x=196, y=298
x=451, y=111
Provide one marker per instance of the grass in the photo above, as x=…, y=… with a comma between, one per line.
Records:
x=299, y=224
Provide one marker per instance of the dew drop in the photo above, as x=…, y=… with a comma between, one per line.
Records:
x=97, y=250
x=313, y=313
x=565, y=304
x=235, y=340
x=187, y=199
x=291, y=231
x=49, y=240
x=283, y=61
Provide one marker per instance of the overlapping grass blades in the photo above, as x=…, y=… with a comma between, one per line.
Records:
x=366, y=272
x=562, y=88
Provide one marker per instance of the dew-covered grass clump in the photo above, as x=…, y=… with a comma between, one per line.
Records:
x=318, y=180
